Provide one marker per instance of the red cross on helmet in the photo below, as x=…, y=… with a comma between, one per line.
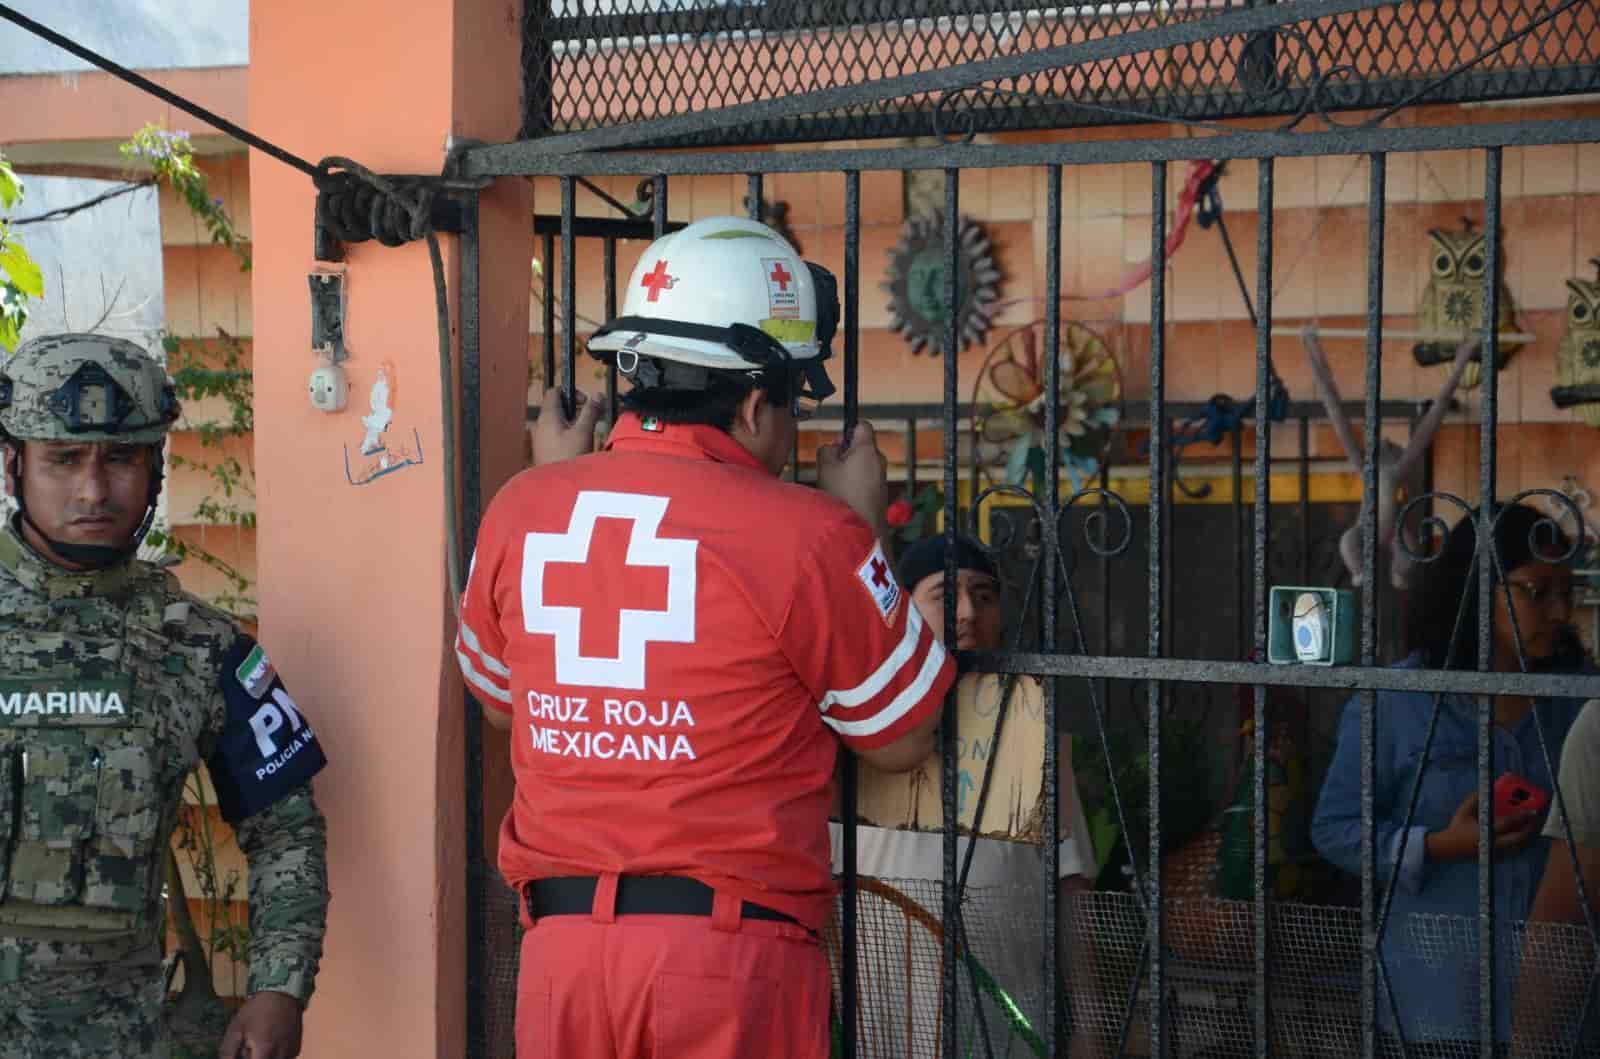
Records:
x=728, y=294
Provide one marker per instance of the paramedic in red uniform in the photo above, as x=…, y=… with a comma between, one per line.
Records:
x=679, y=641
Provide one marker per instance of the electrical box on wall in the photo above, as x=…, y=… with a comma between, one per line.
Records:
x=1311, y=626
x=328, y=304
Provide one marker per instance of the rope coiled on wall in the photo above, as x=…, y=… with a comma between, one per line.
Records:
x=355, y=204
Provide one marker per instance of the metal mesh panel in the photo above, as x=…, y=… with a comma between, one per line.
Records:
x=899, y=950
x=503, y=935
x=1315, y=973
x=590, y=64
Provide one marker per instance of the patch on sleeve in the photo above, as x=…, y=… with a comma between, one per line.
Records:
x=268, y=749
x=877, y=577
x=255, y=673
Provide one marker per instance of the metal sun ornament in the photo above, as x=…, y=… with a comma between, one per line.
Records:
x=916, y=284
x=1010, y=439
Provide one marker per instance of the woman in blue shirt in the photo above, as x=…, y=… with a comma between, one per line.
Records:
x=1429, y=943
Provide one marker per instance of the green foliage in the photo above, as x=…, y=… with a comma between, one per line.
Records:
x=208, y=375
x=223, y=934
x=1186, y=780
x=171, y=156
x=202, y=375
x=20, y=278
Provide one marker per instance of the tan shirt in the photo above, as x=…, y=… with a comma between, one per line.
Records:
x=1580, y=781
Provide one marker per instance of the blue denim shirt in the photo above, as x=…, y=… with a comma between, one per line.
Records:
x=1429, y=945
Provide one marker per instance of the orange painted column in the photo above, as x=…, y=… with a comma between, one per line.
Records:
x=354, y=604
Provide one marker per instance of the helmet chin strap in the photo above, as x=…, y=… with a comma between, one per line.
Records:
x=93, y=556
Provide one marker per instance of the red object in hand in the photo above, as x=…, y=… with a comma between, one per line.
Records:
x=1513, y=794
x=899, y=513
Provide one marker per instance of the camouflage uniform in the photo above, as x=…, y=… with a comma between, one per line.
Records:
x=114, y=685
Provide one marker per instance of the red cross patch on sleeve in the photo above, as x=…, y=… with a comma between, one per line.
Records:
x=877, y=577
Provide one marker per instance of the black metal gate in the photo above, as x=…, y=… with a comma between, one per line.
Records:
x=606, y=91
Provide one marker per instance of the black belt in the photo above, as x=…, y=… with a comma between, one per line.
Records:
x=637, y=895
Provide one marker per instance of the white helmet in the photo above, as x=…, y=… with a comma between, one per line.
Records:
x=723, y=294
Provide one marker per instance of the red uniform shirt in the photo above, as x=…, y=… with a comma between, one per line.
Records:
x=678, y=636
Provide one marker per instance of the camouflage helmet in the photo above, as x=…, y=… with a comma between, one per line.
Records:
x=82, y=387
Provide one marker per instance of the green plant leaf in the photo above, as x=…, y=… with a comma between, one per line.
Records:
x=10, y=185
x=20, y=269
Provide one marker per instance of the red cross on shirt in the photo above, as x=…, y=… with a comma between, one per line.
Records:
x=780, y=276
x=657, y=281
x=880, y=573
x=604, y=586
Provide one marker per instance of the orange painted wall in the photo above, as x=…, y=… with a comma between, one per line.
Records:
x=354, y=602
x=90, y=105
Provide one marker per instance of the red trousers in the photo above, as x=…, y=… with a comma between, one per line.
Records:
x=671, y=987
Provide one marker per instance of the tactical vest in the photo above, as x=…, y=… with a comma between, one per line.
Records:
x=102, y=709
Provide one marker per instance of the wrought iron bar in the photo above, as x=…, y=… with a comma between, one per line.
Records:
x=608, y=265
x=1371, y=926
x=952, y=908
x=753, y=196
x=518, y=159
x=569, y=297
x=471, y=449
x=1346, y=678
x=547, y=276
x=911, y=457
x=848, y=999
x=1305, y=498
x=1241, y=613
x=1489, y=352
x=1157, y=513
x=1049, y=581
x=1265, y=378
x=1133, y=410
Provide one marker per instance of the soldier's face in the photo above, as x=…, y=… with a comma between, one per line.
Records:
x=86, y=492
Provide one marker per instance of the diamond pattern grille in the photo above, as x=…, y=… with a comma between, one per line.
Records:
x=594, y=63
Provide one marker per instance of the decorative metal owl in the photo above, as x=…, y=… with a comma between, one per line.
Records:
x=1578, y=359
x=1452, y=302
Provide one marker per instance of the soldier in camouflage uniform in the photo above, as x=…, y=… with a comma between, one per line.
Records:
x=114, y=685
